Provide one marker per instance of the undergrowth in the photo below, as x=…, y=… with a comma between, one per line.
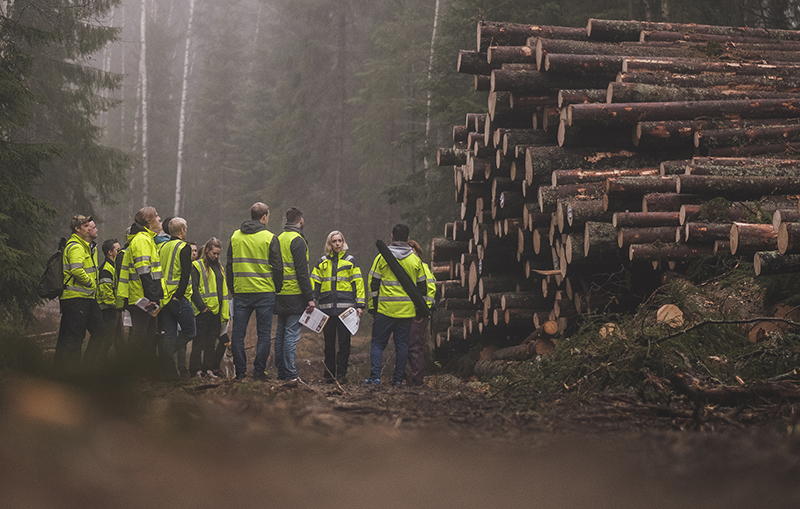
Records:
x=598, y=358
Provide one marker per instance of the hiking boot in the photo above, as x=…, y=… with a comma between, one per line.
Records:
x=372, y=382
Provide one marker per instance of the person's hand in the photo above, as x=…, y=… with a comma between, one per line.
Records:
x=151, y=306
x=359, y=311
x=311, y=306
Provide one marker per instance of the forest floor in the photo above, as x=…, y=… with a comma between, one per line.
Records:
x=105, y=442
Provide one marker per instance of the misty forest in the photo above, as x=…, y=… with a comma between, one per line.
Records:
x=201, y=108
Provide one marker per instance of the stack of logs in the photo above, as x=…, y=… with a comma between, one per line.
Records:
x=608, y=152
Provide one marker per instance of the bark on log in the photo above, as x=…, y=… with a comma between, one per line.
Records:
x=600, y=240
x=579, y=176
x=574, y=248
x=791, y=147
x=473, y=62
x=533, y=218
x=658, y=35
x=532, y=82
x=513, y=137
x=643, y=92
x=781, y=216
x=743, y=167
x=737, y=187
x=496, y=285
x=631, y=113
x=477, y=121
x=564, y=308
x=460, y=304
x=451, y=157
x=645, y=219
x=747, y=239
x=651, y=252
x=523, y=300
x=453, y=289
x=615, y=30
x=493, y=33
x=713, y=138
x=688, y=213
x=731, y=81
x=580, y=96
x=579, y=212
x=640, y=185
x=705, y=233
x=545, y=47
x=549, y=195
x=616, y=138
x=769, y=263
x=788, y=239
x=483, y=83
x=629, y=236
x=583, y=65
x=668, y=202
x=442, y=271
x=446, y=249
x=497, y=55
x=531, y=103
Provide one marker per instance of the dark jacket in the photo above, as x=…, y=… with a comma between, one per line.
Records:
x=250, y=227
x=296, y=304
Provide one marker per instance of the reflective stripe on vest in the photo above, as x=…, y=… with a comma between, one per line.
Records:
x=170, y=259
x=208, y=291
x=75, y=249
x=290, y=284
x=252, y=272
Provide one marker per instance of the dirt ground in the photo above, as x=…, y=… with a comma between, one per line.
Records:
x=108, y=442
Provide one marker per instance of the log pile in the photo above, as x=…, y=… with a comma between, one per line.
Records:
x=608, y=152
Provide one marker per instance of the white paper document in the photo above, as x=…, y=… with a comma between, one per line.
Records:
x=143, y=303
x=315, y=320
x=350, y=319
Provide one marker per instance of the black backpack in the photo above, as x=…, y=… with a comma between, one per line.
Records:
x=52, y=283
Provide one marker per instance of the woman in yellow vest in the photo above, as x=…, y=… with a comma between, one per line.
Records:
x=210, y=300
x=416, y=337
x=140, y=277
x=338, y=285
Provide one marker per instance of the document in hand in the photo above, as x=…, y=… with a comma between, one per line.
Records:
x=143, y=303
x=315, y=320
x=350, y=319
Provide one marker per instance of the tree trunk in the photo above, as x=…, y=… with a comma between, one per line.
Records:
x=631, y=113
x=737, y=187
x=143, y=103
x=726, y=81
x=566, y=177
x=710, y=138
x=583, y=65
x=781, y=216
x=613, y=30
x=574, y=248
x=533, y=82
x=451, y=157
x=447, y=249
x=747, y=239
x=705, y=233
x=788, y=239
x=645, y=219
x=640, y=185
x=643, y=92
x=472, y=62
x=581, y=96
x=616, y=138
x=545, y=47
x=510, y=138
x=768, y=263
x=743, y=167
x=497, y=55
x=628, y=236
x=662, y=36
x=492, y=33
x=530, y=103
x=580, y=212
x=453, y=289
x=549, y=195
x=600, y=240
x=668, y=202
x=754, y=150
x=653, y=252
x=523, y=300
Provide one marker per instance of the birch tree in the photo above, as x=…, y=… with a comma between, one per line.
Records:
x=182, y=121
x=143, y=98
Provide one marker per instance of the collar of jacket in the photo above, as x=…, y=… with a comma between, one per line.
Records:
x=400, y=250
x=290, y=227
x=341, y=254
x=89, y=246
x=252, y=226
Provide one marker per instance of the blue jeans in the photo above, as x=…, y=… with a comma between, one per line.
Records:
x=243, y=306
x=382, y=327
x=174, y=313
x=286, y=337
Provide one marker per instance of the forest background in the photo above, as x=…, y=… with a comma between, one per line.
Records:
x=201, y=107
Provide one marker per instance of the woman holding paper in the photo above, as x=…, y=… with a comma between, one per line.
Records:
x=338, y=286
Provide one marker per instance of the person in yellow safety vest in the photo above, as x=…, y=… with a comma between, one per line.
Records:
x=80, y=311
x=210, y=300
x=176, y=267
x=416, y=336
x=140, y=278
x=338, y=285
x=296, y=295
x=107, y=296
x=254, y=273
x=392, y=306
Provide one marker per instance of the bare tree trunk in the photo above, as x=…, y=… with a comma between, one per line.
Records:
x=340, y=78
x=182, y=121
x=143, y=97
x=430, y=72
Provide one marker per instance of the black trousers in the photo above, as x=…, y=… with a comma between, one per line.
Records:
x=207, y=352
x=336, y=363
x=143, y=340
x=77, y=317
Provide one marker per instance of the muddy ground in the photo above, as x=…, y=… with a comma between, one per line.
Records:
x=103, y=441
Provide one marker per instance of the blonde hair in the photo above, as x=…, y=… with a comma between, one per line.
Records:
x=177, y=227
x=145, y=215
x=329, y=248
x=416, y=247
x=203, y=254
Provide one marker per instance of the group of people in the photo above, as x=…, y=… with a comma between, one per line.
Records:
x=176, y=293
